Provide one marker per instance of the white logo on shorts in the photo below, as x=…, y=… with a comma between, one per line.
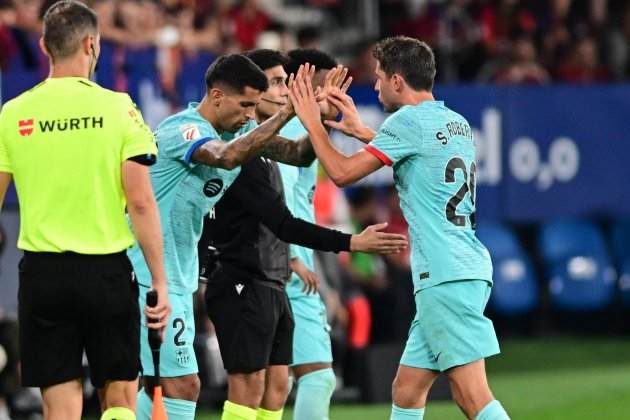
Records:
x=239, y=288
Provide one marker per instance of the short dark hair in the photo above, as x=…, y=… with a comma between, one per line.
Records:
x=66, y=24
x=266, y=58
x=236, y=71
x=318, y=58
x=409, y=57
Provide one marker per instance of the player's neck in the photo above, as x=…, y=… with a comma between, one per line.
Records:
x=414, y=97
x=208, y=112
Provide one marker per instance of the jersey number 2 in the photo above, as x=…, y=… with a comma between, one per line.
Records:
x=467, y=187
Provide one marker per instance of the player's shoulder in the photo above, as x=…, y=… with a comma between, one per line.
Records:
x=186, y=125
x=403, y=120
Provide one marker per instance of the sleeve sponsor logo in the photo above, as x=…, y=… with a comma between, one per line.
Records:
x=213, y=187
x=25, y=127
x=190, y=132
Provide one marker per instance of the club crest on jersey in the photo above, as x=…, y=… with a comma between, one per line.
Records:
x=25, y=127
x=190, y=132
x=183, y=356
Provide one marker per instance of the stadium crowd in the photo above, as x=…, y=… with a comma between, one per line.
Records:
x=502, y=41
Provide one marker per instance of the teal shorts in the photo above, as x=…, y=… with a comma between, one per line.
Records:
x=311, y=336
x=177, y=356
x=450, y=328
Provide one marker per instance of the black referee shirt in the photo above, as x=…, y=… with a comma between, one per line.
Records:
x=234, y=227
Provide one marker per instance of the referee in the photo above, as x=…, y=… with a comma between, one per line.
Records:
x=78, y=154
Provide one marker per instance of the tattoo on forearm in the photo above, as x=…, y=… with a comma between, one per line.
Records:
x=296, y=153
x=243, y=148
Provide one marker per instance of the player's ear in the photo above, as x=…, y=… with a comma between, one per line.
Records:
x=216, y=95
x=397, y=82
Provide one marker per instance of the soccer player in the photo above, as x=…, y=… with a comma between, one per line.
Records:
x=78, y=154
x=432, y=152
x=312, y=354
x=195, y=168
x=245, y=296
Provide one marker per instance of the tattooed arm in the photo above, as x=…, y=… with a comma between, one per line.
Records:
x=297, y=153
x=229, y=155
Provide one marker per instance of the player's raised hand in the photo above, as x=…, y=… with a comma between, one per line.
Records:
x=336, y=79
x=374, y=240
x=350, y=123
x=303, y=98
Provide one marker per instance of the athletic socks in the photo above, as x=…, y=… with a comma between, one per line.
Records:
x=118, y=413
x=312, y=401
x=493, y=411
x=263, y=414
x=233, y=411
x=175, y=409
x=406, y=413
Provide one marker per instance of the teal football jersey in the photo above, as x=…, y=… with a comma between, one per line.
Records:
x=432, y=152
x=185, y=192
x=299, y=188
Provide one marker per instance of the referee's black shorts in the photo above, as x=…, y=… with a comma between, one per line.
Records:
x=253, y=322
x=70, y=303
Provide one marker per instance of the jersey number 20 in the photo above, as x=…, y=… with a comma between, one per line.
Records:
x=467, y=187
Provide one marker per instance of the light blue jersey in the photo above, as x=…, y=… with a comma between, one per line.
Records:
x=185, y=191
x=299, y=188
x=432, y=152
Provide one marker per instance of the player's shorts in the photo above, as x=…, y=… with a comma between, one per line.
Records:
x=70, y=303
x=253, y=322
x=311, y=336
x=450, y=328
x=177, y=356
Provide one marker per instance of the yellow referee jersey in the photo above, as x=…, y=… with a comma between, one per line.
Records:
x=64, y=142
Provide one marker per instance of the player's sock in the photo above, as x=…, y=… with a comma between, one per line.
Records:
x=118, y=413
x=180, y=409
x=406, y=413
x=312, y=401
x=144, y=405
x=263, y=414
x=233, y=411
x=493, y=411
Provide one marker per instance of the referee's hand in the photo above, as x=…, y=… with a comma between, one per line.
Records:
x=374, y=240
x=157, y=316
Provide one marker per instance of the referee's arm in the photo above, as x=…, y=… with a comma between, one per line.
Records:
x=144, y=215
x=5, y=180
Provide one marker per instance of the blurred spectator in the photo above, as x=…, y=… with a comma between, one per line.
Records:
x=618, y=47
x=248, y=20
x=523, y=67
x=583, y=65
x=7, y=43
x=275, y=37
